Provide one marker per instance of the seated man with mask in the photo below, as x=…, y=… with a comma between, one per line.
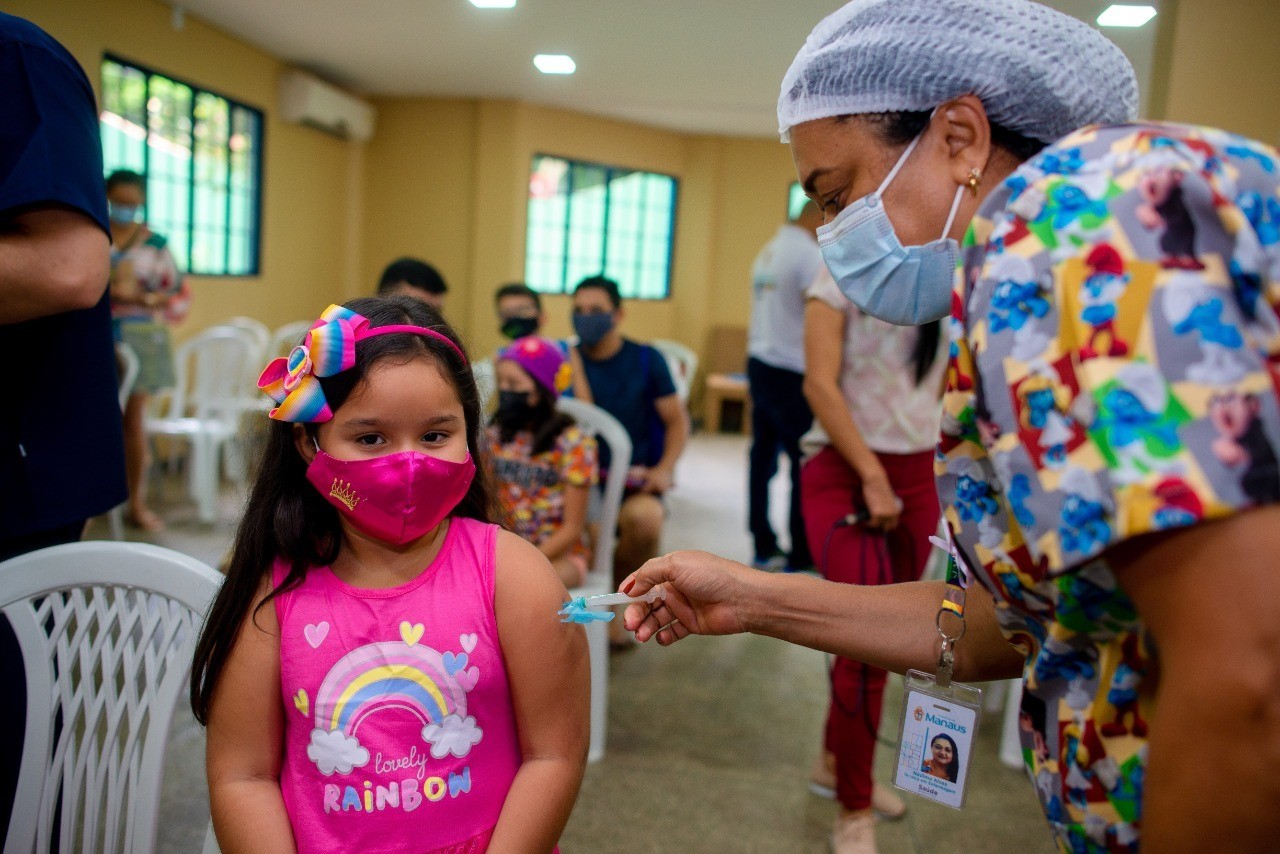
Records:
x=416, y=278
x=519, y=309
x=631, y=382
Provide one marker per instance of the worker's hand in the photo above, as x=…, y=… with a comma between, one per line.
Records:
x=705, y=595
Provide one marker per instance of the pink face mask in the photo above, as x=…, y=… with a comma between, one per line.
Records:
x=397, y=498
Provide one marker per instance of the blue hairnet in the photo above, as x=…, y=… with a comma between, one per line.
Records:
x=1038, y=72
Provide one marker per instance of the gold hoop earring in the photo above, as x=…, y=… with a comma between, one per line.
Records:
x=975, y=178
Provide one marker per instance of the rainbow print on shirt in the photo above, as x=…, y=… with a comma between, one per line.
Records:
x=393, y=675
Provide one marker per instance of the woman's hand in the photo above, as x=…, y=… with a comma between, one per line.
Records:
x=705, y=594
x=883, y=506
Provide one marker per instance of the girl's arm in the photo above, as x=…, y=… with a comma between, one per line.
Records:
x=550, y=694
x=575, y=520
x=824, y=331
x=246, y=742
x=889, y=626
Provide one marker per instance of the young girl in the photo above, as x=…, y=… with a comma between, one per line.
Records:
x=543, y=464
x=382, y=670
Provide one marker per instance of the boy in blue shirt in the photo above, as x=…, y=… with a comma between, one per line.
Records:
x=631, y=382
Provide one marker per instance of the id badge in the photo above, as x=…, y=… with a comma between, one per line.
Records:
x=935, y=741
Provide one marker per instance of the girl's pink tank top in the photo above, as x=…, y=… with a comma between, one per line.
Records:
x=399, y=731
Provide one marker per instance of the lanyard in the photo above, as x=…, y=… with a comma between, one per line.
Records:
x=939, y=717
x=950, y=617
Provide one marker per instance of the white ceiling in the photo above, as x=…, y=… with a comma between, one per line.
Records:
x=699, y=66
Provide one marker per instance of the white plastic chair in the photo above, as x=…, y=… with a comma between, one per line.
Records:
x=252, y=401
x=486, y=376
x=281, y=343
x=1010, y=729
x=107, y=631
x=596, y=422
x=260, y=332
x=262, y=340
x=129, y=367
x=681, y=361
x=206, y=405
x=286, y=338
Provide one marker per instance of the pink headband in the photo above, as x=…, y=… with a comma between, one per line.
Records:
x=329, y=348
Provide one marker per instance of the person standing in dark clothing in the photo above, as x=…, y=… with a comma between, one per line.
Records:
x=780, y=415
x=61, y=445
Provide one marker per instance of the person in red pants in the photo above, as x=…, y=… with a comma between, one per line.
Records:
x=870, y=505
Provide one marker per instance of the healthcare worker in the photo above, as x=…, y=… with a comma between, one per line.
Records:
x=1108, y=458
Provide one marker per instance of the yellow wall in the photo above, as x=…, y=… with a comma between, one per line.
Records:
x=419, y=190
x=306, y=175
x=445, y=179
x=433, y=159
x=442, y=179
x=755, y=180
x=500, y=250
x=474, y=156
x=1224, y=68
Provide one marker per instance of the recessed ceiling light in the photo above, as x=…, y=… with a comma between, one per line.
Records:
x=493, y=4
x=554, y=63
x=1118, y=15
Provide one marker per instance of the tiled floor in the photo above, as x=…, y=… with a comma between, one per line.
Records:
x=710, y=741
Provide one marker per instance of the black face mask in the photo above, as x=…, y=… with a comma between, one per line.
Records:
x=519, y=327
x=514, y=409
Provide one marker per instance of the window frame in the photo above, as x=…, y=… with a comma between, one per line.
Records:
x=255, y=232
x=793, y=209
x=566, y=287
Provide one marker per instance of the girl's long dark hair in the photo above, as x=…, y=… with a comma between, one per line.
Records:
x=287, y=518
x=545, y=421
x=899, y=128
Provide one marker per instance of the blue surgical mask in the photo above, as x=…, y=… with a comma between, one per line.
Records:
x=124, y=213
x=903, y=285
x=592, y=328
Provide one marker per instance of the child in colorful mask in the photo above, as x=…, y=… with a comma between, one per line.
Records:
x=542, y=463
x=378, y=666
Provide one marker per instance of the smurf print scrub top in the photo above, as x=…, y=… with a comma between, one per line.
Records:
x=1114, y=371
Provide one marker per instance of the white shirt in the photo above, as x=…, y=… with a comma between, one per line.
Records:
x=782, y=271
x=894, y=413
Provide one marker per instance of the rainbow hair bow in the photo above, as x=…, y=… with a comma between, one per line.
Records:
x=329, y=348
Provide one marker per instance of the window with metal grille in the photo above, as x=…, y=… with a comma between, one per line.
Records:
x=586, y=219
x=201, y=156
x=795, y=200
